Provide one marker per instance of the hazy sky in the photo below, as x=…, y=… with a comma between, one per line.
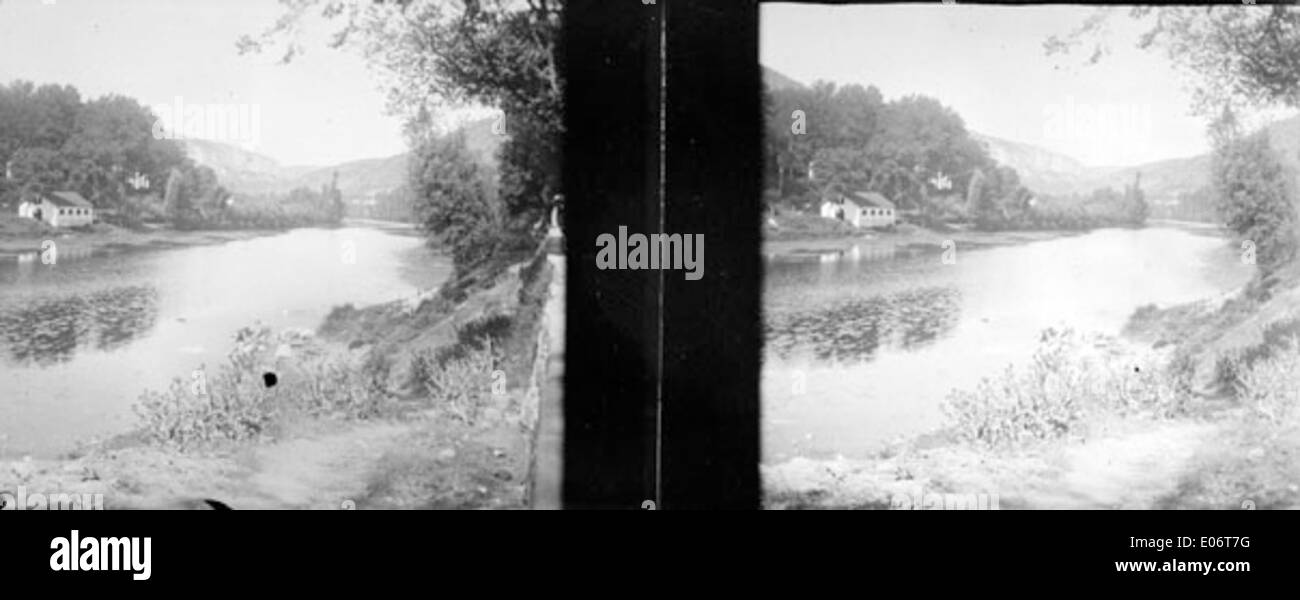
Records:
x=988, y=64
x=324, y=107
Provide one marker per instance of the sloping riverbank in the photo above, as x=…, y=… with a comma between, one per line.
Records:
x=382, y=408
x=22, y=236
x=1205, y=417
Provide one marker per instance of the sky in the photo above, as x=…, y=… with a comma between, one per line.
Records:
x=323, y=108
x=988, y=64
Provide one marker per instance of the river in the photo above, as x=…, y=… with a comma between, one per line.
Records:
x=82, y=338
x=862, y=345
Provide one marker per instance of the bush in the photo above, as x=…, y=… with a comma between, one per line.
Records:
x=461, y=386
x=1269, y=386
x=1230, y=366
x=234, y=404
x=1056, y=394
x=1254, y=192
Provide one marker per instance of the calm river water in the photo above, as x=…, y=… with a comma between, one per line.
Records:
x=80, y=339
x=863, y=345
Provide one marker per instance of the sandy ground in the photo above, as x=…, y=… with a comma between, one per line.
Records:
x=421, y=462
x=1136, y=465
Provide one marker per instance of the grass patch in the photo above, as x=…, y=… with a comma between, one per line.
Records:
x=1232, y=366
x=1268, y=386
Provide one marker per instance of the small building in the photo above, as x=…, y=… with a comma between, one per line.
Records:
x=830, y=210
x=844, y=210
x=853, y=213
x=876, y=210
x=59, y=209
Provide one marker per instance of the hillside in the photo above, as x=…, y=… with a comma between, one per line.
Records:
x=249, y=172
x=1039, y=169
x=775, y=80
x=1162, y=181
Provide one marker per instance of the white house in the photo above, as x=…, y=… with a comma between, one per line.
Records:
x=844, y=210
x=865, y=209
x=59, y=209
x=852, y=212
x=830, y=210
x=876, y=210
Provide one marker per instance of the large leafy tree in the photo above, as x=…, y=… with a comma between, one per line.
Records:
x=50, y=139
x=453, y=203
x=1239, y=57
x=1254, y=194
x=852, y=139
x=440, y=55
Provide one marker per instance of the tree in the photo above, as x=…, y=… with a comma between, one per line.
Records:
x=981, y=202
x=1135, y=202
x=176, y=202
x=453, y=202
x=1254, y=193
x=1238, y=55
x=440, y=55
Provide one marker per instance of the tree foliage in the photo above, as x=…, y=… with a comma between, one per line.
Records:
x=50, y=139
x=1254, y=194
x=454, y=202
x=441, y=55
x=1237, y=55
x=825, y=140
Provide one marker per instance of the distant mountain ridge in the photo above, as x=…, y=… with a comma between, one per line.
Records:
x=775, y=80
x=1162, y=181
x=248, y=172
x=1050, y=172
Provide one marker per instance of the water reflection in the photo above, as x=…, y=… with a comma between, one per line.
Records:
x=861, y=351
x=854, y=329
x=44, y=331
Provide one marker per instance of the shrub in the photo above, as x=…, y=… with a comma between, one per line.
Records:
x=1231, y=365
x=1269, y=387
x=461, y=386
x=234, y=403
x=1056, y=394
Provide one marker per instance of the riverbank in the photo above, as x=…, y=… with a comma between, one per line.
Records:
x=1208, y=420
x=386, y=406
x=24, y=236
x=902, y=235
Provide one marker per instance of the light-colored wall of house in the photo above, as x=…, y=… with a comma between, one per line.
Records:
x=880, y=218
x=63, y=217
x=853, y=214
x=829, y=209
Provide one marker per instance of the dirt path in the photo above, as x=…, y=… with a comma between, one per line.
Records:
x=1128, y=471
x=325, y=472
x=420, y=463
x=1139, y=466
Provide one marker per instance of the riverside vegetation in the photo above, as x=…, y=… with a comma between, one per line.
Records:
x=1196, y=406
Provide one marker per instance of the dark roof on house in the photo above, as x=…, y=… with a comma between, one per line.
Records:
x=874, y=199
x=67, y=199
